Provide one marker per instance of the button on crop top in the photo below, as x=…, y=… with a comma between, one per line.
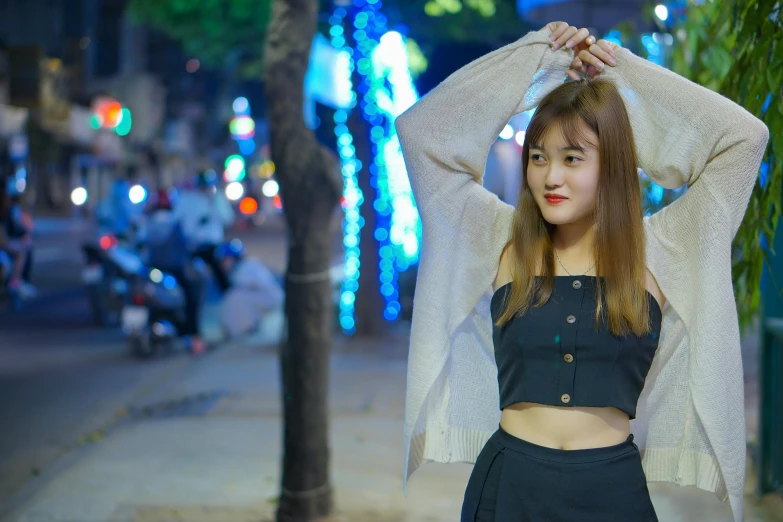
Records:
x=555, y=354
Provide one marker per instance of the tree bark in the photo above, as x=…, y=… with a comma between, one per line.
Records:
x=310, y=187
x=369, y=301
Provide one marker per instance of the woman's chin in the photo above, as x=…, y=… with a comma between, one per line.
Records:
x=558, y=217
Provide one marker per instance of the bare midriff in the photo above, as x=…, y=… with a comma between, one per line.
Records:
x=566, y=428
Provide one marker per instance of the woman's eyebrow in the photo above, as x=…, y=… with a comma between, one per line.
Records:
x=576, y=148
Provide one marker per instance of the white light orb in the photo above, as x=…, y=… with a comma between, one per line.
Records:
x=662, y=12
x=79, y=196
x=507, y=133
x=234, y=191
x=270, y=188
x=137, y=194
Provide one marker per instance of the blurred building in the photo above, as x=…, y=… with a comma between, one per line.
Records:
x=58, y=58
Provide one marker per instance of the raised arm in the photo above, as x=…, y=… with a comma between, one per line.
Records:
x=688, y=134
x=450, y=131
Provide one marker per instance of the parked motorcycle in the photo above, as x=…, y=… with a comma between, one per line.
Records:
x=110, y=266
x=155, y=312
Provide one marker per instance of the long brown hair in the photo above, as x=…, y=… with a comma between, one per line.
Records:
x=619, y=237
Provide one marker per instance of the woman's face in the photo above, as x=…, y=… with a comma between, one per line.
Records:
x=563, y=177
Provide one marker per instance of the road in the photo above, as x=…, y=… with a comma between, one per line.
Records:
x=62, y=380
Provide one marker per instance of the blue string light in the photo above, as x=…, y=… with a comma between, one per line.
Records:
x=352, y=195
x=385, y=91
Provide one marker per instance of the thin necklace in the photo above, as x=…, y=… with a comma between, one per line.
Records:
x=566, y=270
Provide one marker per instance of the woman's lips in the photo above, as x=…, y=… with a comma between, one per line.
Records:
x=554, y=200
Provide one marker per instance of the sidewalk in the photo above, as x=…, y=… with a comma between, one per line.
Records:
x=208, y=450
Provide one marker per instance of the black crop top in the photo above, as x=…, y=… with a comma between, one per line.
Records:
x=555, y=355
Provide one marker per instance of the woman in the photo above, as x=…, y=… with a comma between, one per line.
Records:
x=601, y=322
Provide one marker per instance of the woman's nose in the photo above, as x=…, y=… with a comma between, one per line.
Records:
x=554, y=178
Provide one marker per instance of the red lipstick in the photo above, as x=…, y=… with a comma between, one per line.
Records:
x=554, y=199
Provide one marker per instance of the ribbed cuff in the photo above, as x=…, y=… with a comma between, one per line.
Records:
x=442, y=444
x=465, y=445
x=684, y=468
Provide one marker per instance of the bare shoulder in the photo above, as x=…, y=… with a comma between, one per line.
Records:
x=652, y=286
x=504, y=267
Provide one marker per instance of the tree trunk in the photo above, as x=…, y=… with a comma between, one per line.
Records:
x=310, y=186
x=369, y=301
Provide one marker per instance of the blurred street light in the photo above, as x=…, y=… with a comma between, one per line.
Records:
x=241, y=105
x=79, y=196
x=270, y=188
x=507, y=133
x=234, y=191
x=137, y=194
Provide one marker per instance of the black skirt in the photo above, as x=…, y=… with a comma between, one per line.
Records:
x=517, y=481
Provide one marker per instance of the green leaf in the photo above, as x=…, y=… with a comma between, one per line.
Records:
x=727, y=45
x=221, y=33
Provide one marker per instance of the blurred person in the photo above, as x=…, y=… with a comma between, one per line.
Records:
x=255, y=290
x=204, y=214
x=18, y=227
x=168, y=246
x=117, y=214
x=168, y=251
x=541, y=331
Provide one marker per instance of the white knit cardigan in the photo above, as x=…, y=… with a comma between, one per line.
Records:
x=690, y=421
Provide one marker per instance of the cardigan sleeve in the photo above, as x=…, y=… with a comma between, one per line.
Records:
x=447, y=135
x=688, y=134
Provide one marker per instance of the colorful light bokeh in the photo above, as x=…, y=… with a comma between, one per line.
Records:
x=234, y=168
x=242, y=127
x=380, y=58
x=248, y=206
x=108, y=113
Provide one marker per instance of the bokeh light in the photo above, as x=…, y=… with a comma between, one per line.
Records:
x=79, y=196
x=234, y=191
x=248, y=206
x=137, y=194
x=270, y=188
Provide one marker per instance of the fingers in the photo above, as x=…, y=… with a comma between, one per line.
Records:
x=603, y=53
x=566, y=36
x=575, y=76
x=577, y=65
x=574, y=39
x=581, y=35
x=589, y=59
x=607, y=46
x=557, y=28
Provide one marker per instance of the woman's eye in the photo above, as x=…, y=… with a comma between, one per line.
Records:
x=573, y=159
x=536, y=157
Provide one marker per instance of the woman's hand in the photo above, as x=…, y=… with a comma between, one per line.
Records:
x=592, y=60
x=569, y=36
